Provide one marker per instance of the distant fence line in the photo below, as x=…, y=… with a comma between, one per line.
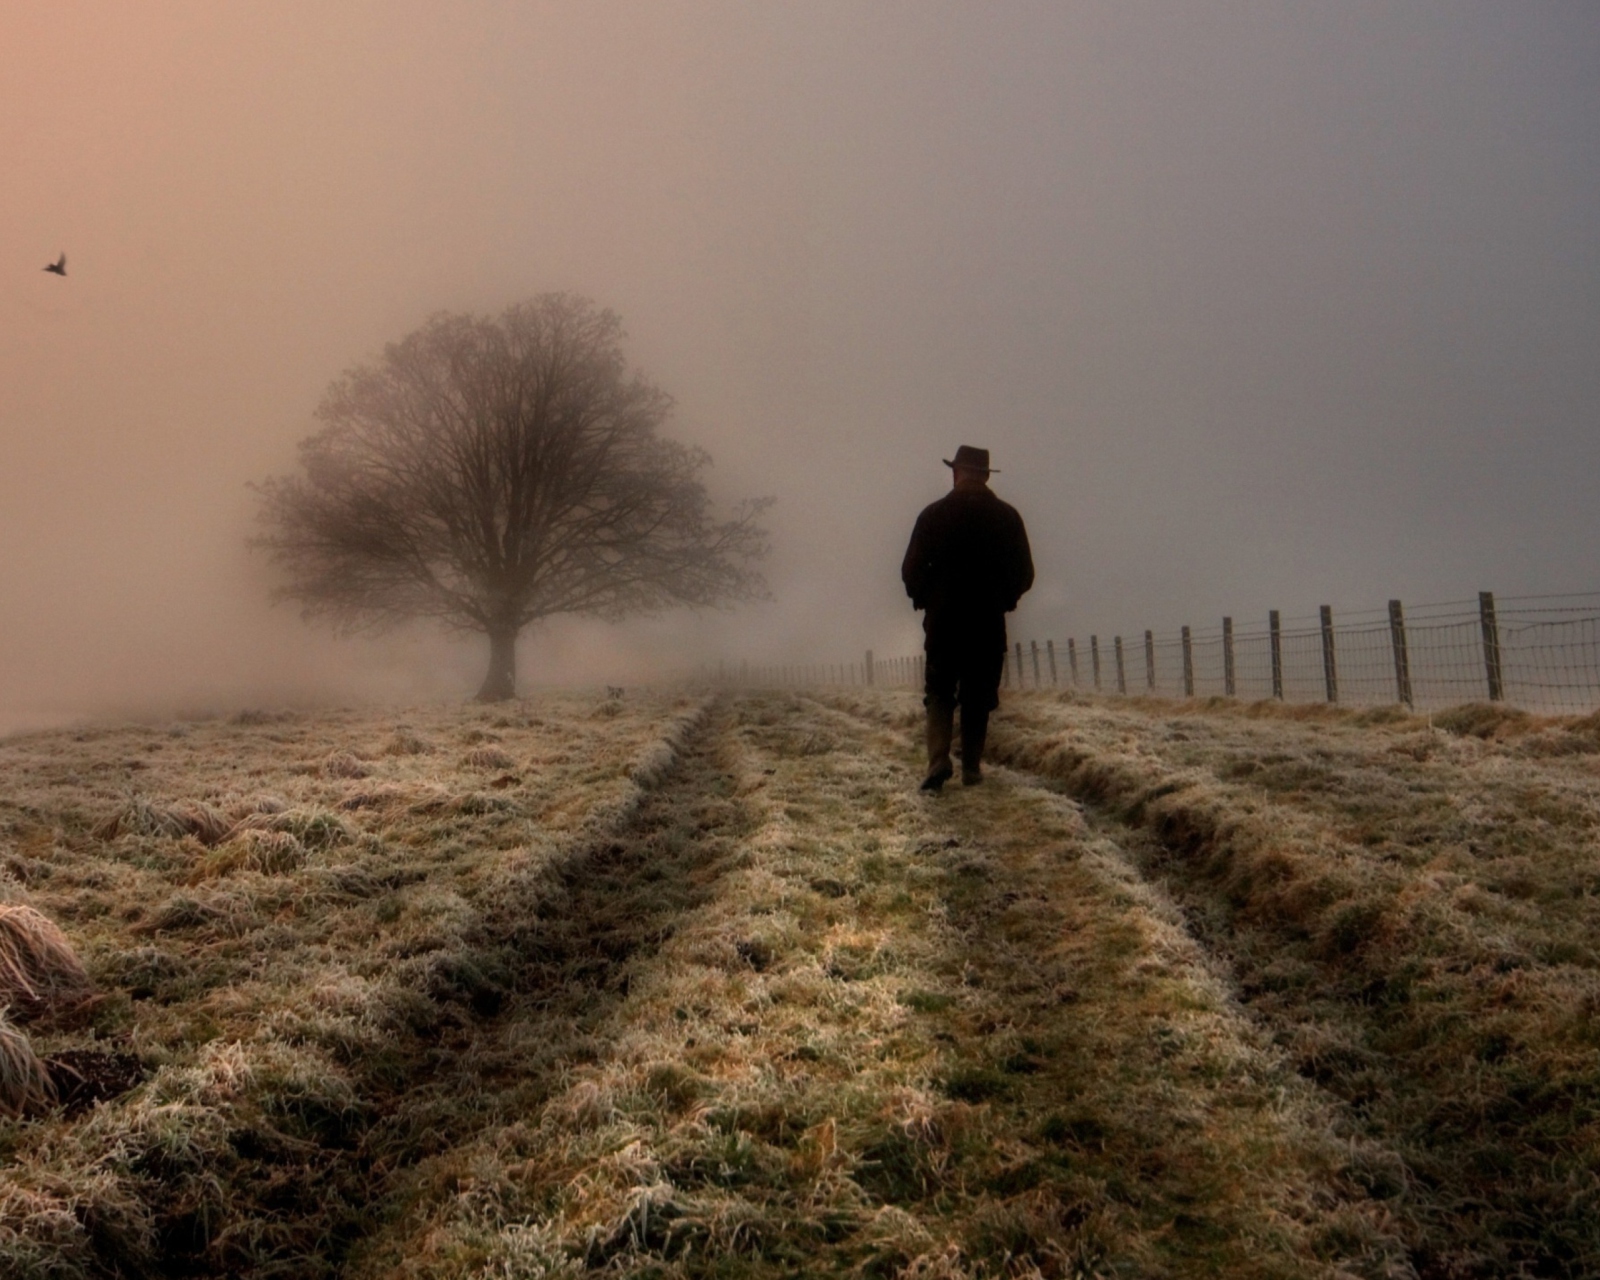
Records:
x=1539, y=653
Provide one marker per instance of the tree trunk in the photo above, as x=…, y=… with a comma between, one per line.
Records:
x=501, y=682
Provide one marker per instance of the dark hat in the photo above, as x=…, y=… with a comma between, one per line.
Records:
x=967, y=456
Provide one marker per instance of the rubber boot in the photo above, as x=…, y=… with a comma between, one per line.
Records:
x=974, y=729
x=941, y=728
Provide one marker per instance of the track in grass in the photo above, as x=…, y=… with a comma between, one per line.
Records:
x=1409, y=912
x=770, y=1010
x=296, y=1020
x=894, y=1036
x=571, y=943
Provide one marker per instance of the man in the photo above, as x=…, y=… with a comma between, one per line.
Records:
x=967, y=565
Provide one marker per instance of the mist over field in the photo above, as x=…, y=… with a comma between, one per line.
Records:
x=1256, y=305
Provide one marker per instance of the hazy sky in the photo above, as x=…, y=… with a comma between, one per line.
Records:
x=1256, y=304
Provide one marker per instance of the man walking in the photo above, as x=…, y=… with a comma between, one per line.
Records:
x=968, y=564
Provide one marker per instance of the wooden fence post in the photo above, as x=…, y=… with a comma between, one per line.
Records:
x=1330, y=665
x=1072, y=659
x=1276, y=629
x=1150, y=661
x=1227, y=656
x=1021, y=680
x=1491, y=645
x=1050, y=650
x=1035, y=646
x=1094, y=660
x=1402, y=662
x=1188, y=664
x=1122, y=679
x=867, y=668
x=1005, y=668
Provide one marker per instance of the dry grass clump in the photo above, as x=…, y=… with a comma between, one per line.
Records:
x=489, y=757
x=225, y=912
x=25, y=1084
x=1484, y=720
x=407, y=742
x=39, y=971
x=142, y=817
x=343, y=764
x=313, y=827
x=272, y=853
x=385, y=794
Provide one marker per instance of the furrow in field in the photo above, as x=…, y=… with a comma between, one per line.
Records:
x=296, y=986
x=898, y=1036
x=1412, y=911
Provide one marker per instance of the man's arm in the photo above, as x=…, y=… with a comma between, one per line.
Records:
x=914, y=568
x=1021, y=563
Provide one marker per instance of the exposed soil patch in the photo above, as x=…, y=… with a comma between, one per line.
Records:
x=83, y=1077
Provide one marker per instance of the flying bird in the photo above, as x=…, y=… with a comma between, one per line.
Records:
x=59, y=266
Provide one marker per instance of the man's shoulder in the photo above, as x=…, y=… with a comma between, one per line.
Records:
x=994, y=506
x=983, y=504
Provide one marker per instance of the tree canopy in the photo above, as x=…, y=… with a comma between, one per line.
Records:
x=489, y=472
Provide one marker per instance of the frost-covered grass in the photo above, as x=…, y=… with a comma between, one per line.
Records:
x=668, y=987
x=1410, y=905
x=889, y=1035
x=289, y=920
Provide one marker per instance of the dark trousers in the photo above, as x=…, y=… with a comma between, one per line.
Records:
x=963, y=669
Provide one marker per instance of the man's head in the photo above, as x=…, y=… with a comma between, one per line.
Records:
x=969, y=468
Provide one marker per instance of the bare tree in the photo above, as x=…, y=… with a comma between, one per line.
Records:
x=491, y=472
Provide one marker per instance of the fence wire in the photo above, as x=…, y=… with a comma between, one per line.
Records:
x=1539, y=653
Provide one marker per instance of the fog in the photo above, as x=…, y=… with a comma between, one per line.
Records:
x=1256, y=305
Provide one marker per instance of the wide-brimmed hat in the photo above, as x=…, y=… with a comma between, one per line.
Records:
x=976, y=459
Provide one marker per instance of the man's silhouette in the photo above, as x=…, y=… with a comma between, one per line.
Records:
x=967, y=566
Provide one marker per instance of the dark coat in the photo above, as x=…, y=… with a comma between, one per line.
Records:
x=968, y=564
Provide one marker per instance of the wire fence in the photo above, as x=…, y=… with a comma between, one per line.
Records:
x=1539, y=653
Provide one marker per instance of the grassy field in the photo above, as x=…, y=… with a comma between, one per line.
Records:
x=685, y=985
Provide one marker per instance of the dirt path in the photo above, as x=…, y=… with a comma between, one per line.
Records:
x=808, y=1020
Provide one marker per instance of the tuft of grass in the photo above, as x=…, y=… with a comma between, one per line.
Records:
x=225, y=912
x=140, y=817
x=489, y=757
x=272, y=853
x=406, y=741
x=313, y=827
x=25, y=1083
x=343, y=764
x=39, y=971
x=1484, y=720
